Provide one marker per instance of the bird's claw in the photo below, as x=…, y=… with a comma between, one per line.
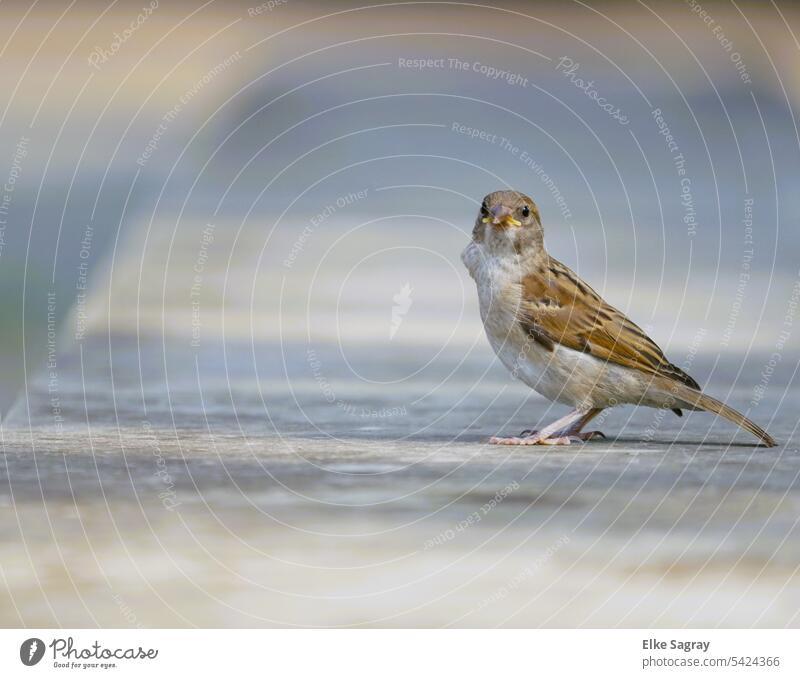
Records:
x=591, y=435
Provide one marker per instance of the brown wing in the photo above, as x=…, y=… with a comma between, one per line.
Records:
x=559, y=308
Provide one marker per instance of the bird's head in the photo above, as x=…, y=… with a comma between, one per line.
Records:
x=508, y=221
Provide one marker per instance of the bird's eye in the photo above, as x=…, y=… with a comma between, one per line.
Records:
x=526, y=212
x=484, y=209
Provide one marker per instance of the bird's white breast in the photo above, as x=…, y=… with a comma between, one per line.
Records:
x=497, y=279
x=564, y=375
x=499, y=299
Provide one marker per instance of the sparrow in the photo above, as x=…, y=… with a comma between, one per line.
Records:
x=560, y=338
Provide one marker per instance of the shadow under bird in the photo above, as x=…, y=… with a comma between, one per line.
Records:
x=558, y=336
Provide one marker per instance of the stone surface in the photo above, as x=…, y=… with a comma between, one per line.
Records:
x=286, y=509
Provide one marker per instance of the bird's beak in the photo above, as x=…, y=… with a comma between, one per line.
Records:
x=502, y=216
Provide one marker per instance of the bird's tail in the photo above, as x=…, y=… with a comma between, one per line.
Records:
x=705, y=402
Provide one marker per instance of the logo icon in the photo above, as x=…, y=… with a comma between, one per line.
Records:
x=402, y=302
x=31, y=651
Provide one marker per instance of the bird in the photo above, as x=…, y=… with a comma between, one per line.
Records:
x=558, y=336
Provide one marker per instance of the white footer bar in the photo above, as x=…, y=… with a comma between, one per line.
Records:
x=383, y=653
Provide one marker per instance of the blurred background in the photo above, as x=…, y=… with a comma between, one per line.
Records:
x=244, y=379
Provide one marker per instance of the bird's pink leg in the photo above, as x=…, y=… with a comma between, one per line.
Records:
x=563, y=431
x=575, y=431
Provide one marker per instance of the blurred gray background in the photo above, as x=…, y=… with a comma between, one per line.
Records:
x=244, y=380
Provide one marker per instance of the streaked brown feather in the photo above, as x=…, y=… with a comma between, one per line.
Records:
x=559, y=308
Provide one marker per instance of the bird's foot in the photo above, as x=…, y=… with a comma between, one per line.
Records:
x=532, y=440
x=530, y=437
